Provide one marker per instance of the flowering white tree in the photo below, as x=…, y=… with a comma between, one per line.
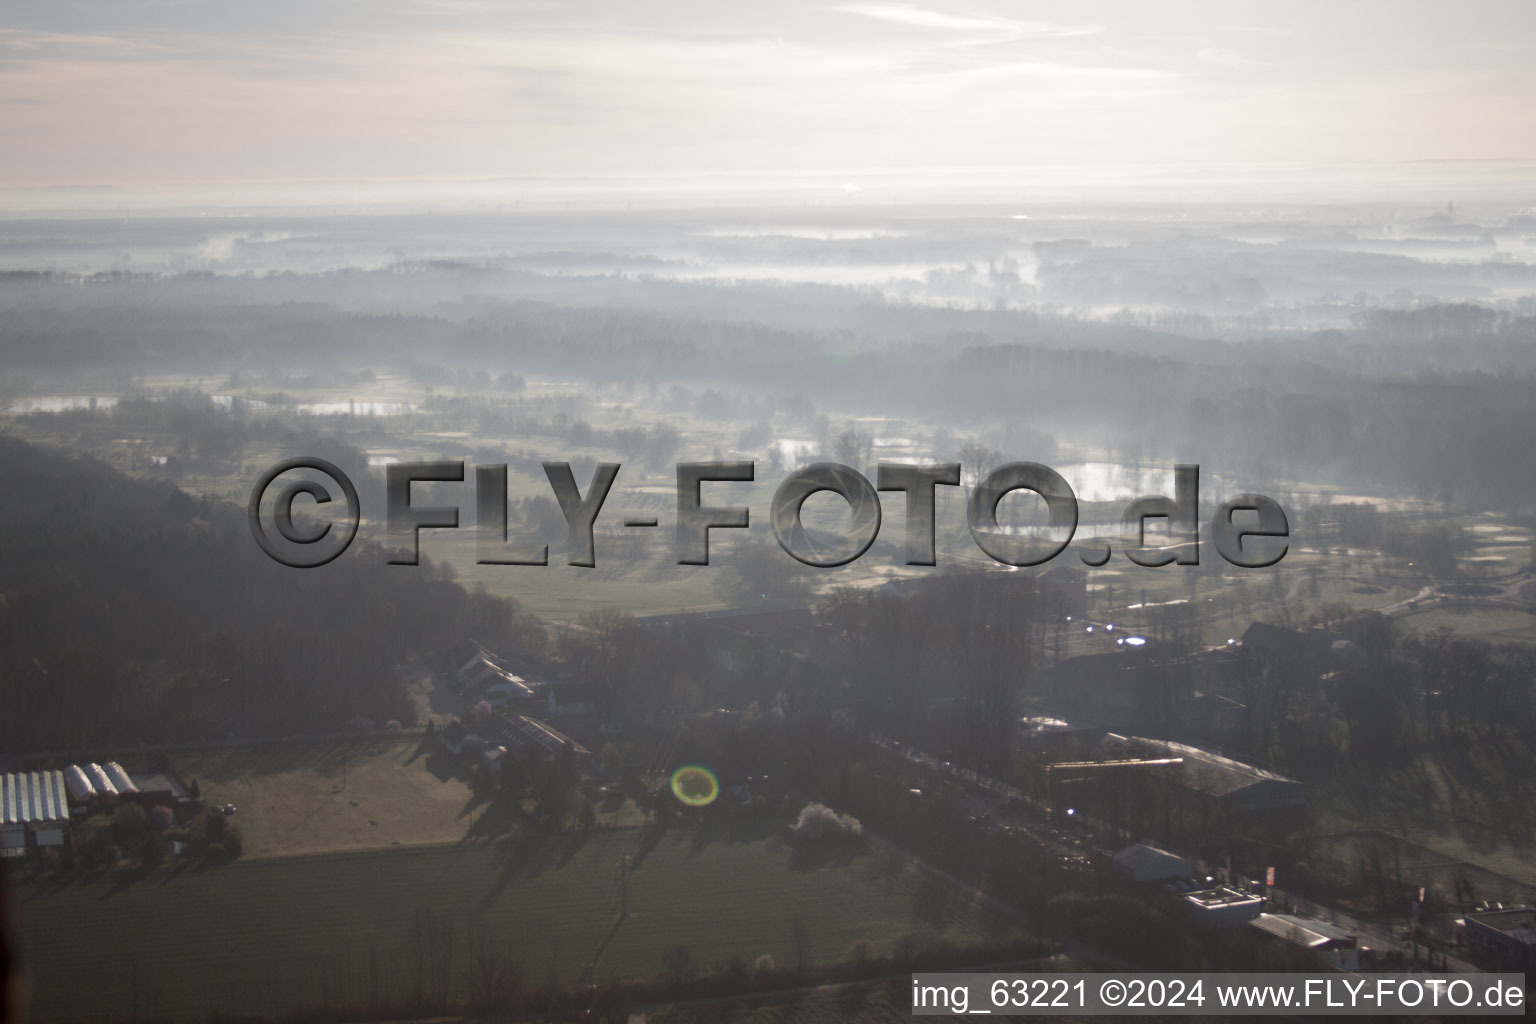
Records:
x=818, y=821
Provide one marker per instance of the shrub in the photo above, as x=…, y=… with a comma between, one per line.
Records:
x=94, y=850
x=130, y=826
x=155, y=850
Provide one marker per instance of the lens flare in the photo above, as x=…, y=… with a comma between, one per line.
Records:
x=695, y=785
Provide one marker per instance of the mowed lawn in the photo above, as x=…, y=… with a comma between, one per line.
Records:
x=266, y=936
x=320, y=797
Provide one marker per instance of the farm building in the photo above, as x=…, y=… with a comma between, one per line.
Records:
x=101, y=782
x=120, y=780
x=506, y=691
x=487, y=677
x=160, y=789
x=533, y=739
x=34, y=811
x=79, y=784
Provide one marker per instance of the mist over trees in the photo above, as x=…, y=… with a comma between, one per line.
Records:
x=133, y=613
x=1377, y=352
x=1380, y=349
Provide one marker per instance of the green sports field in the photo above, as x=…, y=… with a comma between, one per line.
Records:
x=349, y=929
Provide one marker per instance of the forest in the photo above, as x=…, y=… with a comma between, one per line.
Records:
x=132, y=613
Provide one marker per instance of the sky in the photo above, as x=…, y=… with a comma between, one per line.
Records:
x=114, y=92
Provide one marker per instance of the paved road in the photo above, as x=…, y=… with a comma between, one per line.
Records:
x=1382, y=938
x=1506, y=592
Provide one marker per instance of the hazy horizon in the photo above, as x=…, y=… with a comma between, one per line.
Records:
x=1309, y=98
x=1506, y=183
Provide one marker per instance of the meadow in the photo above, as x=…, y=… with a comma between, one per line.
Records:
x=306, y=797
x=355, y=929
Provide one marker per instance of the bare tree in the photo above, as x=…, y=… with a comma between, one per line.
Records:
x=802, y=940
x=976, y=461
x=677, y=961
x=852, y=447
x=491, y=977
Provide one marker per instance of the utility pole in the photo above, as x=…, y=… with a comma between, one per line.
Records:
x=624, y=887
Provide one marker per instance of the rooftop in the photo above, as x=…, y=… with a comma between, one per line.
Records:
x=523, y=730
x=1202, y=770
x=31, y=797
x=1139, y=856
x=1516, y=922
x=161, y=782
x=1303, y=931
x=1212, y=899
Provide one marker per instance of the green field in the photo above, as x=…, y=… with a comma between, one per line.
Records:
x=881, y=1002
x=267, y=936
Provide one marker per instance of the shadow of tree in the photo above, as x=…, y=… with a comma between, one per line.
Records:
x=124, y=880
x=813, y=855
x=727, y=827
x=442, y=766
x=650, y=838
x=425, y=747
